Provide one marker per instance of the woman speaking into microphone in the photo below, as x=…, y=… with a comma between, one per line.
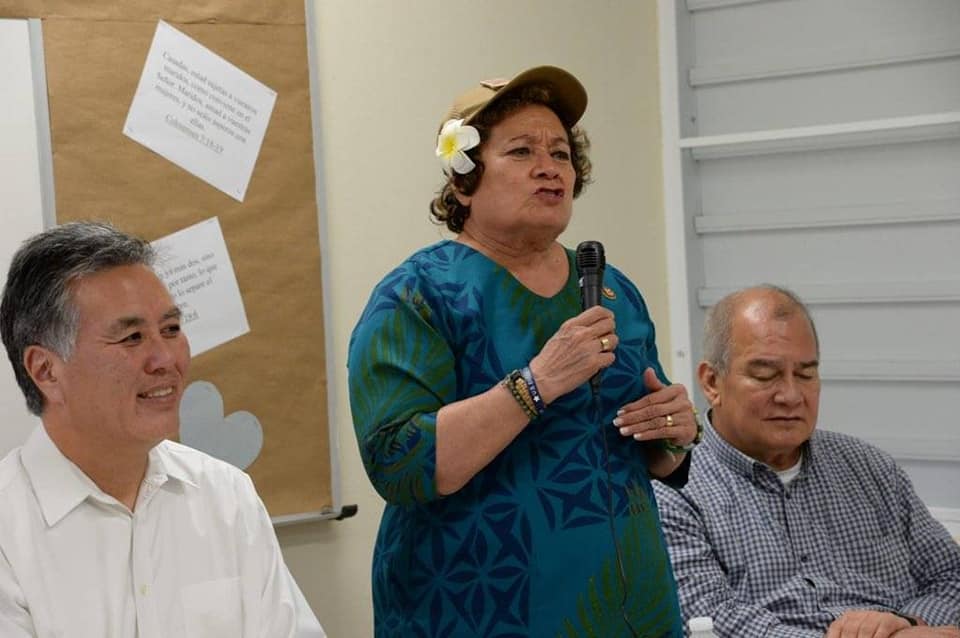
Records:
x=518, y=500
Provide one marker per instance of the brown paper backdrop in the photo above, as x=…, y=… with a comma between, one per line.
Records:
x=95, y=52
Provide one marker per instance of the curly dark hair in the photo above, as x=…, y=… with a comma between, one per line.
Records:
x=445, y=208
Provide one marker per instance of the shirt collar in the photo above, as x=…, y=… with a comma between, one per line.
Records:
x=726, y=453
x=57, y=482
x=740, y=462
x=163, y=465
x=60, y=486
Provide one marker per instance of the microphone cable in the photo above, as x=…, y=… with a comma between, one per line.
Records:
x=611, y=514
x=591, y=262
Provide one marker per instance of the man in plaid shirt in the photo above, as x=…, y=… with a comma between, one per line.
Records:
x=787, y=531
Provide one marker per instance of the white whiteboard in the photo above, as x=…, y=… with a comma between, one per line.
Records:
x=21, y=194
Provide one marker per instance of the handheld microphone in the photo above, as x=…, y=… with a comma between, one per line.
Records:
x=591, y=263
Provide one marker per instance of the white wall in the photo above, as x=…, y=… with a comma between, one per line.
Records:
x=387, y=72
x=21, y=208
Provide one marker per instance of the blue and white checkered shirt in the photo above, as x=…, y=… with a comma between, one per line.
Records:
x=768, y=560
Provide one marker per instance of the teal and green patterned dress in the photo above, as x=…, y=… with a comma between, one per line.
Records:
x=525, y=549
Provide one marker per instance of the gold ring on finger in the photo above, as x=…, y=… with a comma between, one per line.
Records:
x=604, y=344
x=669, y=421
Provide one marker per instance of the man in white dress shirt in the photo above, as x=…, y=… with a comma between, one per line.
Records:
x=107, y=528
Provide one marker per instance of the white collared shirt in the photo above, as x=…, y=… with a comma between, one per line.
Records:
x=197, y=557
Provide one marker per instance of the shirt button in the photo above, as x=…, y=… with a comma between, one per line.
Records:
x=803, y=558
x=144, y=590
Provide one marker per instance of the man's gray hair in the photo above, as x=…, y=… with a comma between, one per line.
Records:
x=37, y=306
x=718, y=324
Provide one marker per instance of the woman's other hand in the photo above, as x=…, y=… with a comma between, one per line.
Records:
x=665, y=412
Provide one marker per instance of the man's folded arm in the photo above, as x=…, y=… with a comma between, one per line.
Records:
x=934, y=562
x=702, y=583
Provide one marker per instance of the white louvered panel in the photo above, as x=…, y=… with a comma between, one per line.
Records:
x=820, y=137
x=945, y=211
x=916, y=172
x=821, y=145
x=799, y=30
x=834, y=255
x=846, y=57
x=892, y=371
x=849, y=330
x=894, y=410
x=858, y=294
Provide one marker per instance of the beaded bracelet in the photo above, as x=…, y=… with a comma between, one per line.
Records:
x=524, y=392
x=510, y=383
x=534, y=392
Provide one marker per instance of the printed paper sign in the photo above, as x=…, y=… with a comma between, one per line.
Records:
x=200, y=112
x=195, y=266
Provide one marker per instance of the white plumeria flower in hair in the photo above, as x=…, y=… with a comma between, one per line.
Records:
x=454, y=141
